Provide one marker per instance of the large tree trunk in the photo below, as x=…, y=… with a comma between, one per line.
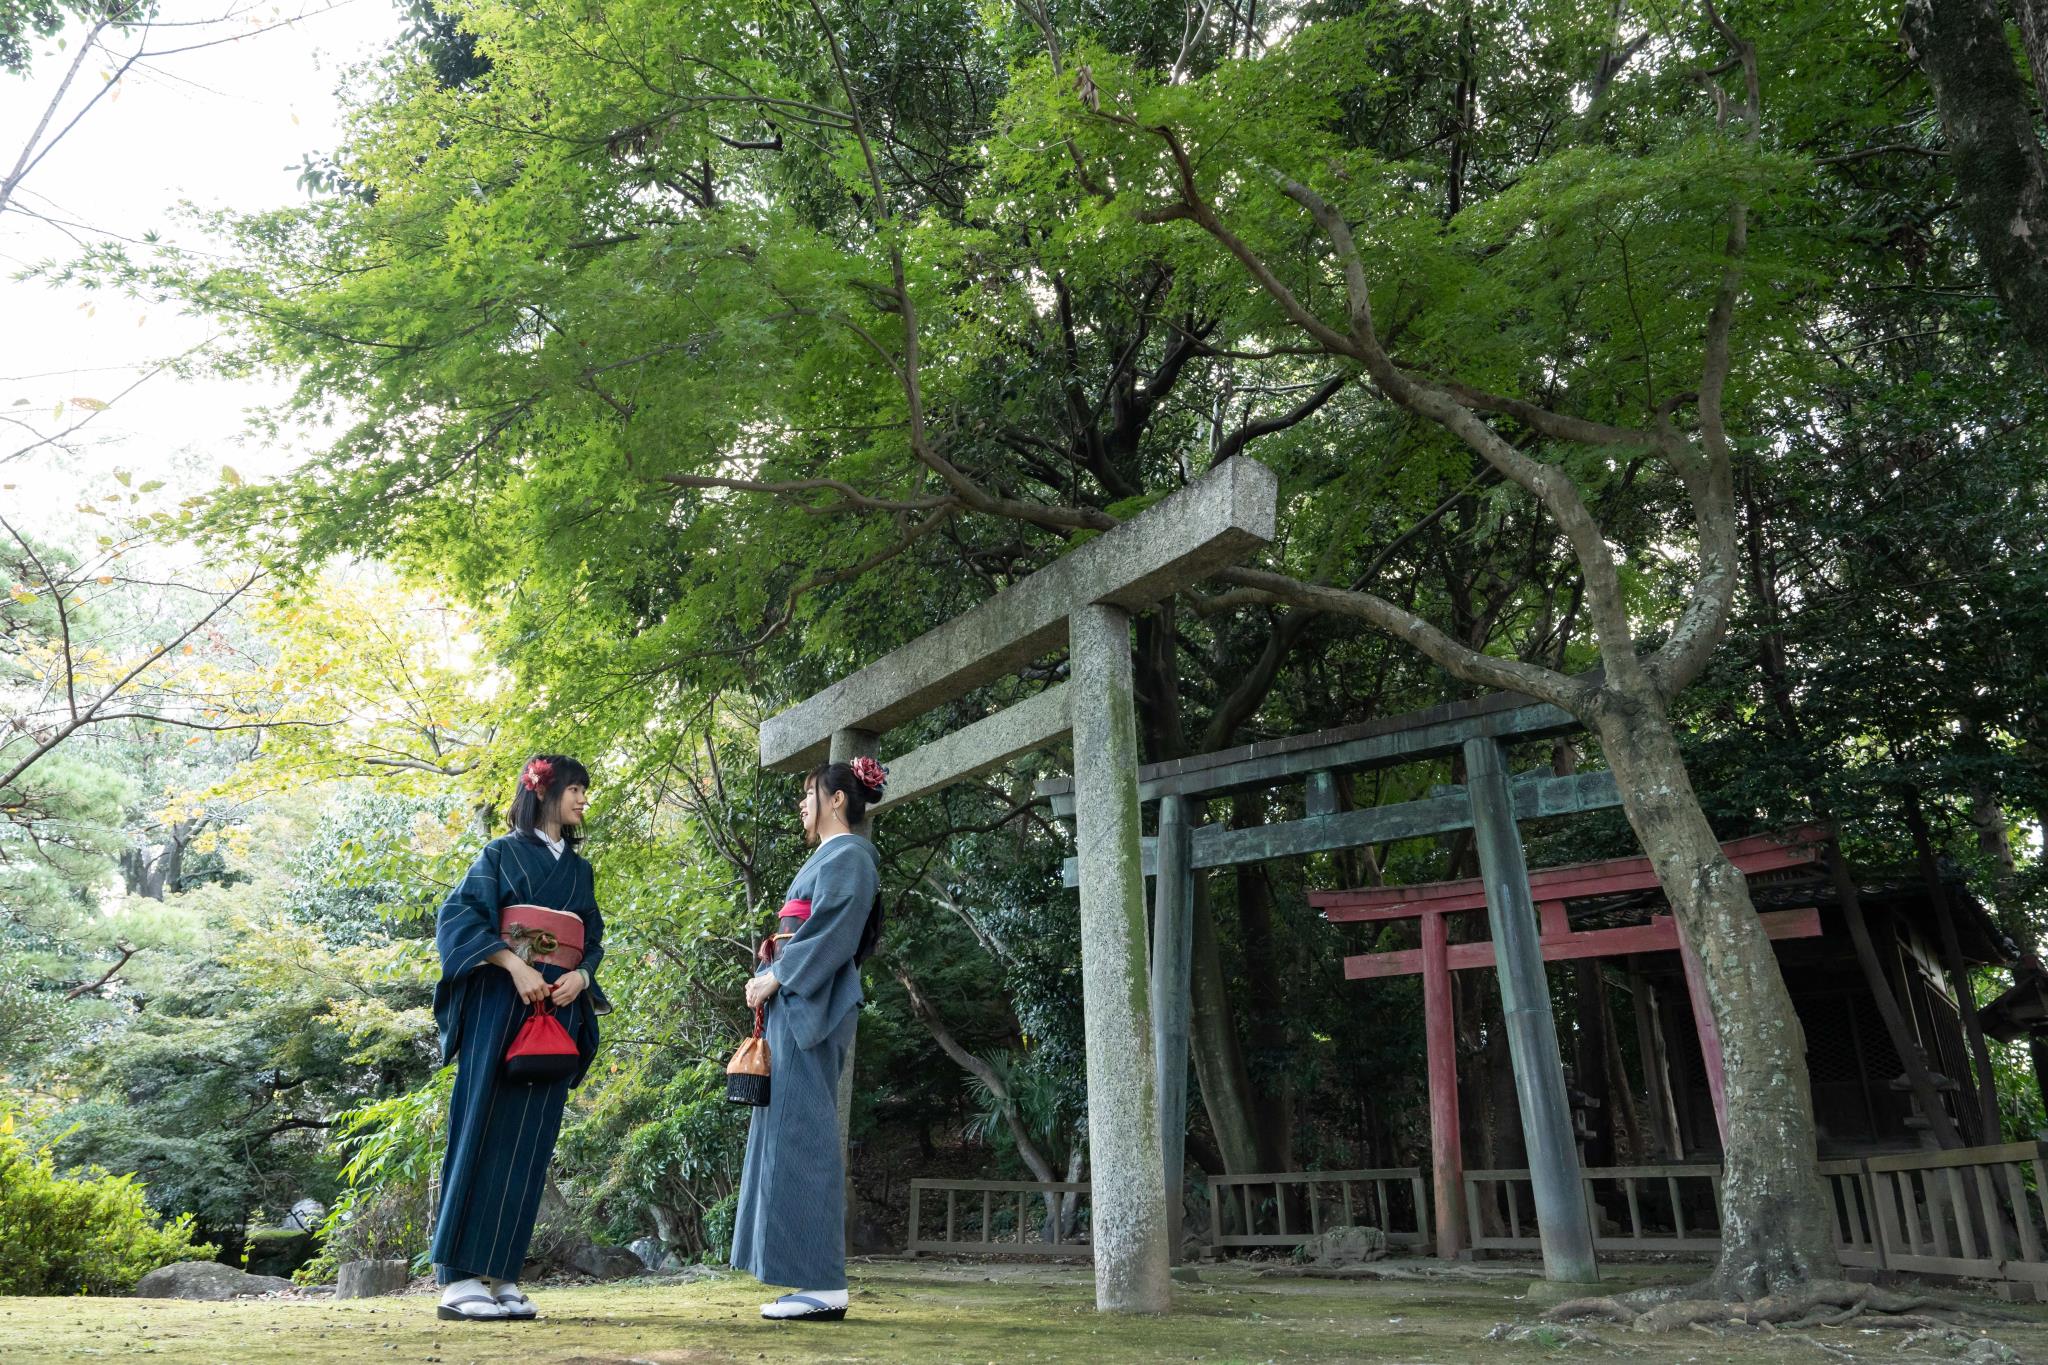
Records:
x=1776, y=1227
x=1213, y=1042
x=1273, y=1112
x=1219, y=1057
x=2001, y=175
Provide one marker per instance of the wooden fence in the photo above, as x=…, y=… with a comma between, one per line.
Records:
x=1976, y=1214
x=1007, y=1217
x=1669, y=1208
x=1243, y=1214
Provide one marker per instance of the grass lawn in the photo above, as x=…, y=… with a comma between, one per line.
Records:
x=925, y=1311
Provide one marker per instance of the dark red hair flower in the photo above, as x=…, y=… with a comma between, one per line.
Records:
x=868, y=772
x=537, y=776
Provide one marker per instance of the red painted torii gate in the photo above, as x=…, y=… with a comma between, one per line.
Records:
x=1434, y=902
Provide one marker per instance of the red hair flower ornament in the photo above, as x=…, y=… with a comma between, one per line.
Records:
x=537, y=776
x=869, y=773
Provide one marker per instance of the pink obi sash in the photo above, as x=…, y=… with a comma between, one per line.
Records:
x=540, y=935
x=795, y=910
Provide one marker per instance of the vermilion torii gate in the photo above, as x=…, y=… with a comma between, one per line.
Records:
x=1434, y=903
x=1083, y=599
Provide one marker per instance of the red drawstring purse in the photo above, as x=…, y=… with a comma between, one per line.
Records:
x=542, y=1052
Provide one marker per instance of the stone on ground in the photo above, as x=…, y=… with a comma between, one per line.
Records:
x=605, y=1263
x=372, y=1279
x=1347, y=1246
x=205, y=1280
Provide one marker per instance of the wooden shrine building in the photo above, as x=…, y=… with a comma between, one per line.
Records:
x=1613, y=912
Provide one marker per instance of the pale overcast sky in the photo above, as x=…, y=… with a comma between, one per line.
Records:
x=224, y=127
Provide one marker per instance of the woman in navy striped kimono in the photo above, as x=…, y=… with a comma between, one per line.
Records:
x=790, y=1228
x=522, y=928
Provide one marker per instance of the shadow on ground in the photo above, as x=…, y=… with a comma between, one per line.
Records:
x=925, y=1311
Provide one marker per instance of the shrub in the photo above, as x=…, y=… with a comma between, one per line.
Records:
x=394, y=1147
x=86, y=1232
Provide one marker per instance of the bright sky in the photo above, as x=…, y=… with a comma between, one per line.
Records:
x=223, y=126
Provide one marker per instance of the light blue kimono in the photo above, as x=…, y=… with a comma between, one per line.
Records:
x=790, y=1228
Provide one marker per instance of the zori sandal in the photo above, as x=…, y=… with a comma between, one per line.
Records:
x=472, y=1308
x=517, y=1306
x=802, y=1307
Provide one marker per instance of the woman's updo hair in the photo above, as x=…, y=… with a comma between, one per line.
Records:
x=539, y=792
x=860, y=782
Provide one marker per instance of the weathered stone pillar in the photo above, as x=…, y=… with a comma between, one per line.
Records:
x=1173, y=931
x=1561, y=1216
x=848, y=745
x=1127, y=1180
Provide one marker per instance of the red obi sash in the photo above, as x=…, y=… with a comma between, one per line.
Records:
x=540, y=935
x=795, y=910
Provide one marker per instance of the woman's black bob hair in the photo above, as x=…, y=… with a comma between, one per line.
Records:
x=825, y=779
x=528, y=806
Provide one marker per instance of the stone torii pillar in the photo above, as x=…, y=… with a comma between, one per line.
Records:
x=1562, y=1221
x=1083, y=599
x=1130, y=1226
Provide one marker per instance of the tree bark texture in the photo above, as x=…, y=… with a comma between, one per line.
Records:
x=1776, y=1226
x=1219, y=1057
x=2000, y=172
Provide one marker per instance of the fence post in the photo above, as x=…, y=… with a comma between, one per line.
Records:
x=916, y=1200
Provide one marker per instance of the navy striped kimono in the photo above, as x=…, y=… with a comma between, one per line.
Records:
x=501, y=1134
x=790, y=1228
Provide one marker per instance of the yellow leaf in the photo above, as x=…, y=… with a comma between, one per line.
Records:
x=21, y=594
x=90, y=404
x=104, y=578
x=228, y=475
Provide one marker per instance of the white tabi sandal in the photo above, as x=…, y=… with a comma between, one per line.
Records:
x=517, y=1306
x=806, y=1308
x=479, y=1305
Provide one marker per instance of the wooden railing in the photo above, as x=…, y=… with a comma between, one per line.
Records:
x=1976, y=1213
x=1007, y=1217
x=1243, y=1207
x=1859, y=1238
x=1669, y=1208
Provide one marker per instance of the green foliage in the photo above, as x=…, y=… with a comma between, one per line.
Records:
x=666, y=1141
x=264, y=1025
x=86, y=1232
x=393, y=1148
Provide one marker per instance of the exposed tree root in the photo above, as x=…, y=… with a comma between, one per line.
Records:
x=1824, y=1303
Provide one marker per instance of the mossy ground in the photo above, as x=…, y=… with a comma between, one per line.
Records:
x=916, y=1312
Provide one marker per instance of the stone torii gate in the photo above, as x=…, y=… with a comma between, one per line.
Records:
x=1489, y=805
x=1086, y=598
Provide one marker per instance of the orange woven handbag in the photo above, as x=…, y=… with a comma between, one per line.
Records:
x=746, y=1075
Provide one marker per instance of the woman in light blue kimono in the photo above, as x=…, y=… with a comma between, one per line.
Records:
x=790, y=1225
